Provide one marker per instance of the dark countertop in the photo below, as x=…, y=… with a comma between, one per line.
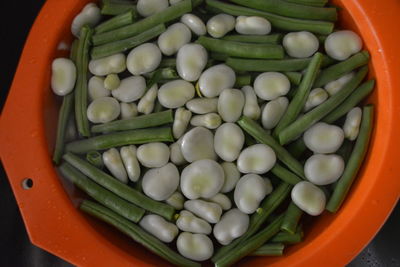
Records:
x=15, y=247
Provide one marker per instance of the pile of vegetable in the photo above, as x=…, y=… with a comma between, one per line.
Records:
x=207, y=129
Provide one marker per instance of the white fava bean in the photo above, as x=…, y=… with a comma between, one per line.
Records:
x=181, y=122
x=220, y=24
x=341, y=45
x=190, y=61
x=176, y=200
x=159, y=227
x=143, y=59
x=130, y=89
x=146, y=103
x=89, y=15
x=202, y=105
x=232, y=225
x=215, y=79
x=195, y=24
x=202, y=179
x=257, y=159
x=210, y=120
x=211, y=212
x=96, y=88
x=196, y=247
x=228, y=141
x=175, y=94
x=323, y=169
x=252, y=25
x=112, y=160
x=232, y=176
x=271, y=85
x=161, y=183
x=187, y=222
x=198, y=143
x=176, y=156
x=132, y=167
x=176, y=36
x=308, y=198
x=316, y=97
x=251, y=108
x=230, y=104
x=107, y=65
x=112, y=81
x=128, y=110
x=103, y=109
x=273, y=112
x=335, y=86
x=250, y=191
x=351, y=126
x=300, y=44
x=153, y=155
x=323, y=138
x=63, y=76
x=147, y=8
x=221, y=200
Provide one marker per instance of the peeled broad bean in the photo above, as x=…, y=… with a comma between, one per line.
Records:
x=210, y=120
x=176, y=200
x=103, y=109
x=194, y=23
x=153, y=155
x=300, y=44
x=230, y=104
x=232, y=176
x=187, y=222
x=252, y=25
x=175, y=94
x=113, y=162
x=176, y=36
x=107, y=65
x=232, y=225
x=89, y=15
x=221, y=200
x=271, y=85
x=190, y=61
x=208, y=211
x=131, y=163
x=147, y=8
x=215, y=79
x=128, y=110
x=130, y=89
x=146, y=103
x=316, y=97
x=202, y=105
x=273, y=112
x=335, y=86
x=323, y=138
x=257, y=159
x=96, y=88
x=181, y=122
x=159, y=227
x=198, y=143
x=220, y=24
x=161, y=183
x=351, y=126
x=251, y=108
x=323, y=169
x=112, y=81
x=228, y=141
x=63, y=76
x=341, y=45
x=143, y=59
x=308, y=198
x=176, y=156
x=196, y=247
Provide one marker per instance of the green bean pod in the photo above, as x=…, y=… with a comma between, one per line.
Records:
x=269, y=249
x=116, y=7
x=274, y=38
x=285, y=175
x=319, y=3
x=291, y=218
x=116, y=22
x=95, y=158
x=297, y=147
x=287, y=238
x=242, y=80
x=294, y=77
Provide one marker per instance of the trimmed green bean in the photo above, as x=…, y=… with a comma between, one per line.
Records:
x=274, y=38
x=136, y=233
x=359, y=94
x=285, y=175
x=238, y=49
x=319, y=3
x=354, y=163
x=297, y=103
x=168, y=62
x=122, y=190
x=123, y=45
x=291, y=10
x=307, y=120
x=278, y=22
x=294, y=77
x=132, y=137
x=218, y=56
x=116, y=7
x=242, y=80
x=168, y=14
x=95, y=158
x=287, y=238
x=116, y=22
x=103, y=196
x=161, y=74
x=256, y=131
x=297, y=147
x=139, y=122
x=336, y=71
x=291, y=218
x=269, y=249
x=322, y=38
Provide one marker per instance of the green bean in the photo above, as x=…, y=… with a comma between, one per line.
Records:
x=291, y=10
x=218, y=56
x=116, y=7
x=168, y=62
x=168, y=14
x=242, y=80
x=354, y=163
x=161, y=74
x=249, y=140
x=116, y=22
x=287, y=238
x=81, y=90
x=250, y=244
x=307, y=120
x=136, y=233
x=158, y=107
x=297, y=103
x=132, y=137
x=294, y=77
x=103, y=196
x=274, y=38
x=297, y=147
x=269, y=249
x=319, y=3
x=257, y=219
x=238, y=49
x=140, y=122
x=336, y=71
x=260, y=65
x=123, y=45
x=322, y=38
x=256, y=131
x=285, y=175
x=95, y=158
x=122, y=190
x=278, y=22
x=359, y=94
x=291, y=218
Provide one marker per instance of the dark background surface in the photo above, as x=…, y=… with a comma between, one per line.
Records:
x=15, y=247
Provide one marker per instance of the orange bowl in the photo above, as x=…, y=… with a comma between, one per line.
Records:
x=53, y=223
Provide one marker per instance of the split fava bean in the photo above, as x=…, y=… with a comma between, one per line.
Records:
x=316, y=97
x=252, y=25
x=159, y=227
x=202, y=179
x=202, y=105
x=308, y=198
x=146, y=103
x=176, y=200
x=211, y=212
x=131, y=163
x=103, y=109
x=210, y=120
x=198, y=143
x=188, y=222
x=112, y=160
x=251, y=108
x=161, y=183
x=323, y=138
x=323, y=169
x=341, y=45
x=228, y=141
x=257, y=159
x=175, y=94
x=147, y=8
x=96, y=88
x=190, y=61
x=128, y=110
x=196, y=247
x=220, y=24
x=232, y=176
x=153, y=155
x=352, y=123
x=107, y=65
x=63, y=76
x=89, y=15
x=300, y=44
x=130, y=89
x=181, y=122
x=230, y=104
x=335, y=86
x=232, y=225
x=143, y=59
x=215, y=79
x=273, y=112
x=112, y=81
x=271, y=85
x=176, y=156
x=221, y=200
x=176, y=36
x=194, y=23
